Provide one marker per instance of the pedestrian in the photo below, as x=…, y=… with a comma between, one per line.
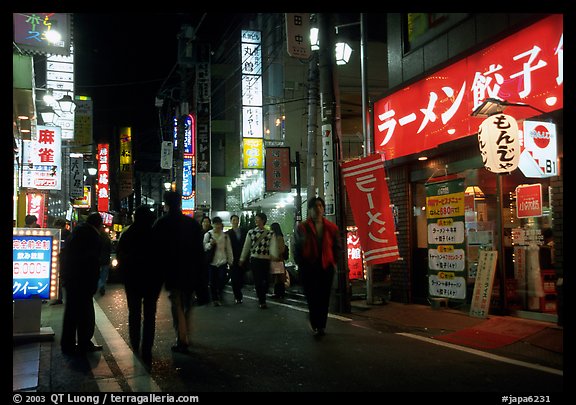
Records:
x=142, y=281
x=317, y=246
x=258, y=247
x=31, y=221
x=62, y=224
x=217, y=240
x=206, y=224
x=180, y=253
x=237, y=238
x=277, y=268
x=80, y=271
x=104, y=261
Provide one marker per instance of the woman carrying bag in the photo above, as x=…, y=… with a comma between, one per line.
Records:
x=277, y=268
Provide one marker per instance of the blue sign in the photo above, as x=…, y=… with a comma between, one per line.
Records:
x=31, y=266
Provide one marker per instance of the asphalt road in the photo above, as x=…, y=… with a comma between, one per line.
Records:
x=241, y=348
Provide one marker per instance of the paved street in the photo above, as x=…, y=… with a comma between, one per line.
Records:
x=241, y=348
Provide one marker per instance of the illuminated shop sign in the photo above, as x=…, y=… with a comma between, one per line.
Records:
x=526, y=67
x=103, y=177
x=35, y=263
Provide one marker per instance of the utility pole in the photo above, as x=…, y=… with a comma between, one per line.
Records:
x=312, y=124
x=330, y=107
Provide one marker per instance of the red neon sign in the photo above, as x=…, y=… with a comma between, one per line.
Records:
x=526, y=67
x=103, y=177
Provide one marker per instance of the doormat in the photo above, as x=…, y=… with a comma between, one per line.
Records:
x=493, y=333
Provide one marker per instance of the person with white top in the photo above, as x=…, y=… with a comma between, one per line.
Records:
x=223, y=257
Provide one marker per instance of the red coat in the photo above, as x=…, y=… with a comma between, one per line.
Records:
x=307, y=243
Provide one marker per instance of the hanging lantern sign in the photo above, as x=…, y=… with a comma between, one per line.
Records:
x=499, y=144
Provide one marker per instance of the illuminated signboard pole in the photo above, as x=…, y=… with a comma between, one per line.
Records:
x=331, y=155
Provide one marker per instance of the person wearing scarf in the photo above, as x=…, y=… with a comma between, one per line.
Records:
x=317, y=245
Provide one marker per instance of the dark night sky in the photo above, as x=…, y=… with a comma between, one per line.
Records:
x=122, y=60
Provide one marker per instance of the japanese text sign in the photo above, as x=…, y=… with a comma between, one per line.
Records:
x=499, y=143
x=43, y=159
x=539, y=149
x=355, y=265
x=34, y=263
x=103, y=177
x=367, y=190
x=525, y=67
x=529, y=201
x=277, y=170
x=445, y=209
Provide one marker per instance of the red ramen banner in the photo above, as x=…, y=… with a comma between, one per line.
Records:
x=365, y=181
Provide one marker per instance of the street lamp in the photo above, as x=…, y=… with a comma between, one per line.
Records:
x=343, y=53
x=48, y=114
x=67, y=104
x=491, y=106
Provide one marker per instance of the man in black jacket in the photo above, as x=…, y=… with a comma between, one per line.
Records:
x=80, y=271
x=178, y=239
x=142, y=280
x=237, y=237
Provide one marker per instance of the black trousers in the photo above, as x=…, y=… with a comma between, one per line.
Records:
x=237, y=281
x=79, y=319
x=317, y=283
x=261, y=272
x=141, y=317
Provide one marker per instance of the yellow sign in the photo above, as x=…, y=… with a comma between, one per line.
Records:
x=125, y=148
x=448, y=205
x=253, y=153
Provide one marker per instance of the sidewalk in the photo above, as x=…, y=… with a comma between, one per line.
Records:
x=537, y=342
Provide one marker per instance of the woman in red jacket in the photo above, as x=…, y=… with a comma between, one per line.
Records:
x=317, y=245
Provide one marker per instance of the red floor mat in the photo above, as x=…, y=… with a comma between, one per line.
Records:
x=492, y=334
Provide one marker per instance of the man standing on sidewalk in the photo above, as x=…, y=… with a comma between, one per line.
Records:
x=180, y=253
x=80, y=271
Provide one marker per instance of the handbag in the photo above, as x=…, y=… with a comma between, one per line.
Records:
x=210, y=252
x=286, y=278
x=277, y=267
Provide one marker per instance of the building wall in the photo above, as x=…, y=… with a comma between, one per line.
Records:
x=466, y=36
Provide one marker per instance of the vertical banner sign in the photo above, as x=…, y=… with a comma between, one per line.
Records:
x=355, y=259
x=480, y=304
x=76, y=175
x=126, y=187
x=328, y=169
x=277, y=170
x=252, y=115
x=188, y=167
x=35, y=263
x=202, y=188
x=36, y=204
x=166, y=155
x=298, y=35
x=446, y=246
x=60, y=79
x=365, y=181
x=83, y=125
x=103, y=191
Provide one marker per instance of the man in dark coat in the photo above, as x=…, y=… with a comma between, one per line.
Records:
x=178, y=240
x=80, y=271
x=237, y=237
x=142, y=280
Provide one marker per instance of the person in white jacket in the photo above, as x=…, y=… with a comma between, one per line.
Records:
x=218, y=242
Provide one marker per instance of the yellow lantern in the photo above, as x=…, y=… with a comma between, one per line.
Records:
x=499, y=143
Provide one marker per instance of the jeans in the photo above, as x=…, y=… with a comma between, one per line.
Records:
x=104, y=270
x=217, y=281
